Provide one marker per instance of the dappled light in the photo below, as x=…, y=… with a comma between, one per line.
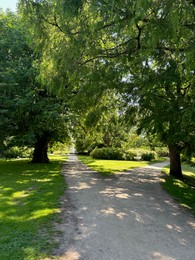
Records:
x=183, y=190
x=70, y=255
x=160, y=256
x=112, y=212
x=124, y=211
x=111, y=166
x=28, y=199
x=42, y=213
x=115, y=192
x=174, y=227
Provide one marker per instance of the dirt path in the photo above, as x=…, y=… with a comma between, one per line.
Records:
x=124, y=217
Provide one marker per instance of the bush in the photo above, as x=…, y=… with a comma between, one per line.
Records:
x=162, y=151
x=12, y=152
x=15, y=152
x=130, y=155
x=108, y=153
x=148, y=156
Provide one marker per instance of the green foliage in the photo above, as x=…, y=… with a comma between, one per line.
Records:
x=149, y=156
x=182, y=190
x=162, y=151
x=111, y=153
x=136, y=141
x=130, y=155
x=60, y=148
x=143, y=50
x=15, y=71
x=110, y=166
x=28, y=111
x=100, y=125
x=33, y=194
x=15, y=152
x=108, y=153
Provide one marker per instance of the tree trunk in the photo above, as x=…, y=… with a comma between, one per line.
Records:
x=175, y=162
x=40, y=150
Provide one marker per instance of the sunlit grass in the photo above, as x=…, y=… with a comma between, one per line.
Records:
x=29, y=203
x=182, y=191
x=110, y=166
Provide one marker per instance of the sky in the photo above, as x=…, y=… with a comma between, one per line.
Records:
x=11, y=4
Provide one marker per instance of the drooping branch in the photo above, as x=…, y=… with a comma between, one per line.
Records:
x=54, y=23
x=138, y=38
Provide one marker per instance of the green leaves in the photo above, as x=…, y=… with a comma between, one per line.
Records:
x=141, y=49
x=27, y=109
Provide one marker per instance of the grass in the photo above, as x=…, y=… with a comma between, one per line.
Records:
x=110, y=166
x=182, y=191
x=29, y=203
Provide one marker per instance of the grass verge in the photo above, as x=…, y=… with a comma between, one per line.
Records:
x=29, y=203
x=182, y=191
x=110, y=166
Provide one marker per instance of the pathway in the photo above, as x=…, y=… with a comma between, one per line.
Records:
x=122, y=217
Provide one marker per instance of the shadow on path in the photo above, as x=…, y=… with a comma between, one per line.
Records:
x=123, y=217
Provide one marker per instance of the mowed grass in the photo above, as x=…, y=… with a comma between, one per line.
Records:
x=182, y=191
x=29, y=204
x=110, y=166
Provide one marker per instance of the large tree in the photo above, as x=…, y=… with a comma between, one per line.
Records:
x=15, y=70
x=29, y=114
x=142, y=48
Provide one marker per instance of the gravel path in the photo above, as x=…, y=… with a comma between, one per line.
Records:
x=122, y=217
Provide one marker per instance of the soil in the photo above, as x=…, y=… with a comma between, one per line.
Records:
x=127, y=216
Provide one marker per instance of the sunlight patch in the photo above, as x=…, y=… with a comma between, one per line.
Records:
x=43, y=213
x=43, y=180
x=160, y=256
x=111, y=211
x=20, y=194
x=81, y=186
x=70, y=255
x=192, y=224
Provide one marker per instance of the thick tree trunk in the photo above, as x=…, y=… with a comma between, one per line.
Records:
x=40, y=150
x=175, y=161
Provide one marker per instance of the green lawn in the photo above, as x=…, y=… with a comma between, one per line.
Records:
x=29, y=203
x=110, y=166
x=182, y=191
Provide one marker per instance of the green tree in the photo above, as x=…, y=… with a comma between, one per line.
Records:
x=15, y=70
x=148, y=47
x=143, y=49
x=30, y=115
x=99, y=124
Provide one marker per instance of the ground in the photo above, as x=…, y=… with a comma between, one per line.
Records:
x=122, y=217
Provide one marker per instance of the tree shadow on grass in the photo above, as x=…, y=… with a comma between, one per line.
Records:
x=29, y=202
x=183, y=191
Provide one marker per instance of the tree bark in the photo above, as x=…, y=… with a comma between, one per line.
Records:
x=175, y=161
x=40, y=150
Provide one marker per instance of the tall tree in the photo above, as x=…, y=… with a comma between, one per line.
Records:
x=29, y=114
x=143, y=48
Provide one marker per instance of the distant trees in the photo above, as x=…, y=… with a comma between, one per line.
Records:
x=99, y=124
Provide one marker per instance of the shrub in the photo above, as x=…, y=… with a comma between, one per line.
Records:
x=130, y=155
x=162, y=151
x=108, y=153
x=148, y=156
x=12, y=152
x=15, y=152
